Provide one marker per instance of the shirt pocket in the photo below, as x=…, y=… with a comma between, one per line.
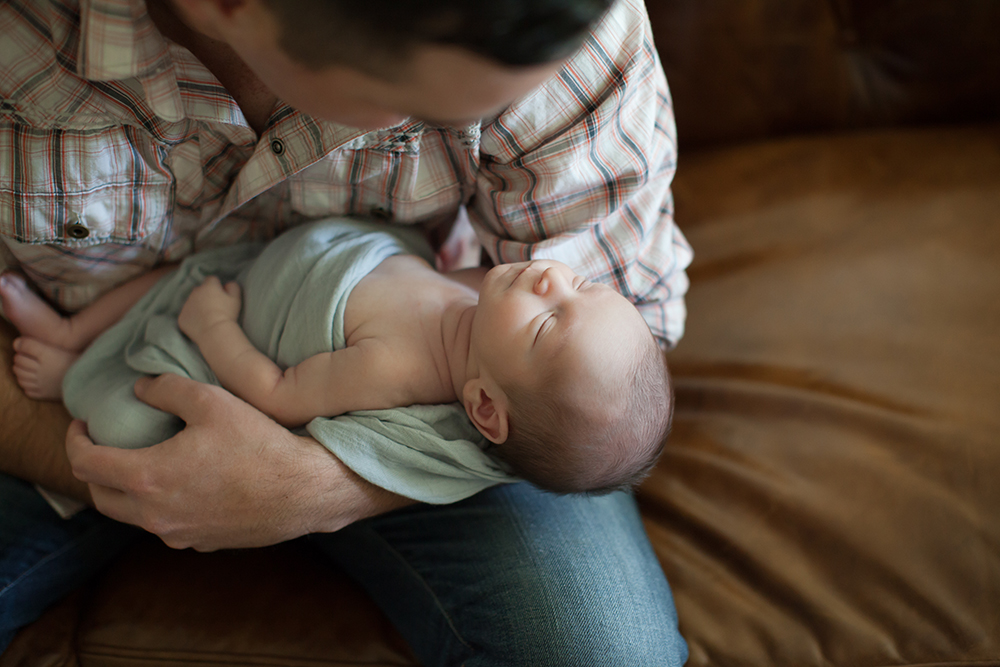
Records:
x=79, y=188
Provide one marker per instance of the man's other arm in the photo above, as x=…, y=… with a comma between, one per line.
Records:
x=32, y=432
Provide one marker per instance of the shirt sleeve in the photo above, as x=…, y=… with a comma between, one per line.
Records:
x=580, y=171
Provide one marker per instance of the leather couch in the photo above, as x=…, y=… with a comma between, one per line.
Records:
x=830, y=494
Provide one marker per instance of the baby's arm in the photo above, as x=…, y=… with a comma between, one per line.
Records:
x=360, y=377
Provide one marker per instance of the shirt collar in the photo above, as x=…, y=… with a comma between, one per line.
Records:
x=119, y=41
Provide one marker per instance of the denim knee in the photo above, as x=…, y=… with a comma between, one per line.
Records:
x=515, y=576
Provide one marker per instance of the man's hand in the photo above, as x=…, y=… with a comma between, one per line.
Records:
x=208, y=305
x=232, y=478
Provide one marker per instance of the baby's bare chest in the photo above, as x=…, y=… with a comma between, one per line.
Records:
x=398, y=301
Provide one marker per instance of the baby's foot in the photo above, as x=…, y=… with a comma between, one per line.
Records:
x=40, y=367
x=31, y=315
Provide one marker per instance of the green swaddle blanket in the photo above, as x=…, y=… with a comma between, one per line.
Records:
x=295, y=292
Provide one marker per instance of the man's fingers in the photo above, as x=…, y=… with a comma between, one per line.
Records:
x=114, y=504
x=188, y=399
x=232, y=288
x=93, y=464
x=118, y=483
x=124, y=507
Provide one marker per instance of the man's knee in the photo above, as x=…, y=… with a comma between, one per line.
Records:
x=605, y=632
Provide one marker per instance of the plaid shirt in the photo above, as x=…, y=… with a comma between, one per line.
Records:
x=119, y=150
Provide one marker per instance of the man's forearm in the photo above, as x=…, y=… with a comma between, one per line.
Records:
x=336, y=496
x=33, y=433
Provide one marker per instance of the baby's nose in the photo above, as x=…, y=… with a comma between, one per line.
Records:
x=548, y=280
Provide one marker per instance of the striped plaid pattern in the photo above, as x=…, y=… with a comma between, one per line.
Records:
x=119, y=150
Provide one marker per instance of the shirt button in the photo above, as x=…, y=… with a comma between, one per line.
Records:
x=78, y=230
x=277, y=147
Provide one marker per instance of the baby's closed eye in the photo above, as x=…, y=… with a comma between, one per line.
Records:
x=547, y=322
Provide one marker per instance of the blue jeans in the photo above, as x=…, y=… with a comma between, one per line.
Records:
x=511, y=576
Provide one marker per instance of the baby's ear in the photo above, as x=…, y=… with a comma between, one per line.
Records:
x=486, y=406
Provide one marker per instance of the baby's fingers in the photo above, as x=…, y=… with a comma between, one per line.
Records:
x=211, y=285
x=233, y=289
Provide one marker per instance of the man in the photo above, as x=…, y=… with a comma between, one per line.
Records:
x=134, y=134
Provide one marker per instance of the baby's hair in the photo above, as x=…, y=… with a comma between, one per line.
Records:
x=563, y=448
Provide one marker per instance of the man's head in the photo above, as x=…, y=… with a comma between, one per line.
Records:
x=569, y=382
x=374, y=63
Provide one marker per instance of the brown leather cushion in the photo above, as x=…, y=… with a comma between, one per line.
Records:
x=278, y=606
x=741, y=69
x=830, y=492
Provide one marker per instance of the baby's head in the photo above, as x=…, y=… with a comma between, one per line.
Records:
x=567, y=379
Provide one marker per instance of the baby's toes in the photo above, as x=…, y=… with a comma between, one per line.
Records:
x=26, y=372
x=31, y=348
x=25, y=363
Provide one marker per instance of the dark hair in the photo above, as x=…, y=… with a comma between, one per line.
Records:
x=560, y=447
x=376, y=34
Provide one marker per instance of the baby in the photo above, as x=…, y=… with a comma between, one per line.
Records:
x=560, y=373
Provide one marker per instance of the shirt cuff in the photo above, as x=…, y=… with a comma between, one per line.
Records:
x=64, y=506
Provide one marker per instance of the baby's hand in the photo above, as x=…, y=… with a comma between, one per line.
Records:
x=208, y=305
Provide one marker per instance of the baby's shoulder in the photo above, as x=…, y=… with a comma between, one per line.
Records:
x=399, y=274
x=408, y=277
x=404, y=265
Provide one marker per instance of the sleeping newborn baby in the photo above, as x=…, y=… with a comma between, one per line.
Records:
x=560, y=374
